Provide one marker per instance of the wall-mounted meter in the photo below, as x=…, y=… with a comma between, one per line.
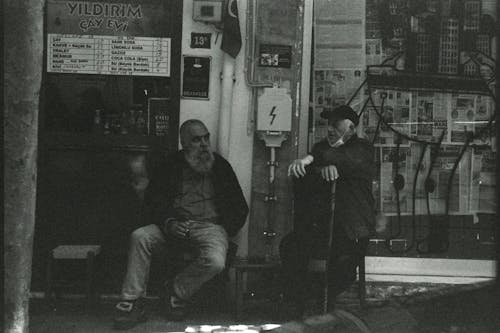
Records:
x=207, y=11
x=274, y=110
x=274, y=116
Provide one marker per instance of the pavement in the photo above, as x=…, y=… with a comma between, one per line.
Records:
x=390, y=308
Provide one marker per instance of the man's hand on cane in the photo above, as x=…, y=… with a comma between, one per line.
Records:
x=329, y=173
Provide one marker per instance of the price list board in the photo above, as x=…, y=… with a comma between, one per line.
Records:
x=111, y=55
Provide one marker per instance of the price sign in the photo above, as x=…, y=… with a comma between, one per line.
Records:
x=108, y=55
x=200, y=40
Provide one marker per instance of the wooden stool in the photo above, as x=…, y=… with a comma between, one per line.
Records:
x=73, y=252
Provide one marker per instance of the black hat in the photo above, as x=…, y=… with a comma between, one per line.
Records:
x=339, y=113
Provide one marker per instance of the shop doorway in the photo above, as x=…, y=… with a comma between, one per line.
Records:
x=110, y=107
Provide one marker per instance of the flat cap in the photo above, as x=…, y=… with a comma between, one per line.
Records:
x=339, y=113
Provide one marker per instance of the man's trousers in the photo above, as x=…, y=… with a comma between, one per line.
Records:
x=210, y=240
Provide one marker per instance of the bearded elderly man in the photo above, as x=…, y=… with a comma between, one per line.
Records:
x=348, y=160
x=195, y=199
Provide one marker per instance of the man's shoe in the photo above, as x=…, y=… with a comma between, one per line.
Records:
x=130, y=313
x=176, y=308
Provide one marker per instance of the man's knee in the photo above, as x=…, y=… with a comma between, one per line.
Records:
x=216, y=263
x=140, y=236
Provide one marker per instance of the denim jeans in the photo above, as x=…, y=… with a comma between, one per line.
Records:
x=210, y=240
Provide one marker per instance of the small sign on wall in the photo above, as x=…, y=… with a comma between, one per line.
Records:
x=158, y=122
x=196, y=77
x=278, y=56
x=200, y=40
x=274, y=110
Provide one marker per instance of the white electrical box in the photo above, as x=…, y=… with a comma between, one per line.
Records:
x=274, y=110
x=207, y=11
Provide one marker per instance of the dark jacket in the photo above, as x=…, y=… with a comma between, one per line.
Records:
x=230, y=203
x=354, y=203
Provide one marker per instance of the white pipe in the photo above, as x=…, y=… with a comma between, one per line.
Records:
x=271, y=166
x=226, y=101
x=307, y=37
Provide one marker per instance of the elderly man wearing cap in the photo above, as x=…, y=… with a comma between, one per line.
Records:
x=348, y=160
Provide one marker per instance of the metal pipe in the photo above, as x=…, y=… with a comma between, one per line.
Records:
x=271, y=166
x=224, y=128
x=269, y=231
x=250, y=49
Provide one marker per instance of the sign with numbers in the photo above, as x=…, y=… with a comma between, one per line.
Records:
x=200, y=40
x=114, y=55
x=274, y=110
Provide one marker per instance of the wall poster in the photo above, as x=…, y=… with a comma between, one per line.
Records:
x=271, y=55
x=196, y=77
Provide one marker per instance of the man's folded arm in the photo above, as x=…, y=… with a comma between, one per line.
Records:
x=353, y=162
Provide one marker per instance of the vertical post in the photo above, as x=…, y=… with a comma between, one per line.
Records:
x=23, y=49
x=497, y=129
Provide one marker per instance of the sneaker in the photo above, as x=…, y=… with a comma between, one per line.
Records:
x=130, y=313
x=176, y=308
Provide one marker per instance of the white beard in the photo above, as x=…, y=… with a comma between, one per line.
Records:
x=200, y=161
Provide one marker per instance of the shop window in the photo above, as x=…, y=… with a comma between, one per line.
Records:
x=437, y=134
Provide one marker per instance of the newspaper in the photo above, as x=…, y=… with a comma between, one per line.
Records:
x=446, y=158
x=388, y=195
x=482, y=128
x=374, y=54
x=461, y=117
x=336, y=87
x=442, y=106
x=482, y=185
x=333, y=88
x=396, y=115
x=423, y=116
x=401, y=102
x=370, y=118
x=376, y=181
x=420, y=197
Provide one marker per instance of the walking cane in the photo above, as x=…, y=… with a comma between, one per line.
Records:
x=329, y=248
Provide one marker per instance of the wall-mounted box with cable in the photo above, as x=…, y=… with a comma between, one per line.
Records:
x=207, y=11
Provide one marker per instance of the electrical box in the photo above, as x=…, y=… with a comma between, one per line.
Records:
x=274, y=110
x=207, y=11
